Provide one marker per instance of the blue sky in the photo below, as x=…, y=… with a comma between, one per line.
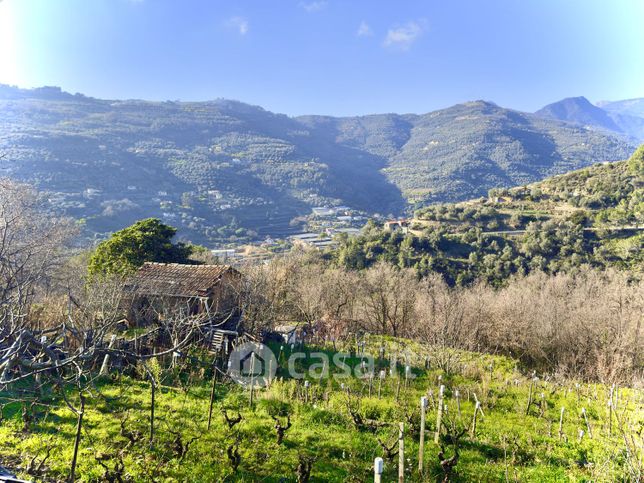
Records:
x=336, y=57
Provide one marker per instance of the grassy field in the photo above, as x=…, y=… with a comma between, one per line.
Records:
x=513, y=442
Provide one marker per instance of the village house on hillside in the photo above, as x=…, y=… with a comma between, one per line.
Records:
x=394, y=225
x=157, y=289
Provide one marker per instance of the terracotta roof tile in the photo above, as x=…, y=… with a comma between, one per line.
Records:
x=175, y=279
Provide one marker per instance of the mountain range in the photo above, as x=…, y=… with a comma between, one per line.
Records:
x=625, y=118
x=223, y=170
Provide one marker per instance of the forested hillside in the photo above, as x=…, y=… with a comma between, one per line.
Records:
x=226, y=171
x=460, y=152
x=591, y=217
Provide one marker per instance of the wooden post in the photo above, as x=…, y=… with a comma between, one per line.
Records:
x=306, y=391
x=561, y=418
x=370, y=382
x=590, y=431
x=401, y=453
x=421, y=446
x=79, y=426
x=105, y=368
x=378, y=467
x=212, y=394
x=439, y=415
x=476, y=410
x=398, y=389
x=616, y=400
x=457, y=395
x=252, y=377
x=610, y=410
x=527, y=408
x=152, y=403
x=542, y=405
x=382, y=376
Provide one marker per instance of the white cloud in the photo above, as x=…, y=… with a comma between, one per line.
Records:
x=238, y=23
x=364, y=30
x=403, y=36
x=314, y=6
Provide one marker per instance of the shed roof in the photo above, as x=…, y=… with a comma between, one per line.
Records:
x=177, y=280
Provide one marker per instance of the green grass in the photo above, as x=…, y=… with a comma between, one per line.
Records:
x=527, y=447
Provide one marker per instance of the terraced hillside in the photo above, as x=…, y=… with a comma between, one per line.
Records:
x=589, y=217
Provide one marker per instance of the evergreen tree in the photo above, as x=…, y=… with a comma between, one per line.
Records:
x=146, y=240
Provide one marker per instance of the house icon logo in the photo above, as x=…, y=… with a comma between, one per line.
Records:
x=252, y=364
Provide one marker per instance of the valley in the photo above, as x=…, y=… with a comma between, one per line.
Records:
x=226, y=173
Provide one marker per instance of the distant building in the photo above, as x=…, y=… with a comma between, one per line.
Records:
x=393, y=225
x=312, y=240
x=91, y=193
x=304, y=237
x=323, y=211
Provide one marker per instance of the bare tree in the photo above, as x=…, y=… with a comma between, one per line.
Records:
x=388, y=298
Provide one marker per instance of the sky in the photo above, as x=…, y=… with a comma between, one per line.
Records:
x=335, y=57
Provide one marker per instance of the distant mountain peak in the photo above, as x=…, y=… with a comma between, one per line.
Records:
x=629, y=107
x=580, y=99
x=480, y=103
x=579, y=110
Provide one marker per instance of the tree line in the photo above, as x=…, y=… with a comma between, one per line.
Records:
x=586, y=324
